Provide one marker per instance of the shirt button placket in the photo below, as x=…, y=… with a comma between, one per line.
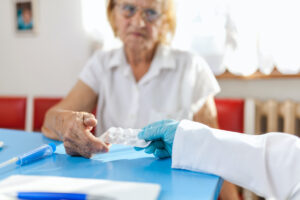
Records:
x=135, y=107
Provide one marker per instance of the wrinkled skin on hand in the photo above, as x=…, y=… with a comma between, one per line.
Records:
x=77, y=137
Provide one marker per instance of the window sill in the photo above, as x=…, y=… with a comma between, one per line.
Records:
x=257, y=75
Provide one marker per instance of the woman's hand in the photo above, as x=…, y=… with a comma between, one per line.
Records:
x=77, y=137
x=74, y=129
x=63, y=122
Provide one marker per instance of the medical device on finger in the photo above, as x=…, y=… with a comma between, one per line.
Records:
x=123, y=136
x=38, y=153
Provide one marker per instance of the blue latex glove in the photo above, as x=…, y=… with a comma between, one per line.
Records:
x=161, y=134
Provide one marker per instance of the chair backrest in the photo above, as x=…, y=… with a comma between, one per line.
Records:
x=40, y=107
x=230, y=114
x=13, y=112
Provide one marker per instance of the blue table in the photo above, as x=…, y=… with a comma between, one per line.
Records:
x=121, y=163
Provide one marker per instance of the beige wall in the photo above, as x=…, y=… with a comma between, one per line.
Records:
x=278, y=89
x=46, y=63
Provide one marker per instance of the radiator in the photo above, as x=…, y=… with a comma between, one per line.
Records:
x=275, y=116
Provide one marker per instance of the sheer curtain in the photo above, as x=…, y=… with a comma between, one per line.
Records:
x=239, y=36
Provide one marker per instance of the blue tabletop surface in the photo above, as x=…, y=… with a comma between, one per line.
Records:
x=122, y=163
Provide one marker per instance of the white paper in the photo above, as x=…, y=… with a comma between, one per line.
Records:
x=113, y=189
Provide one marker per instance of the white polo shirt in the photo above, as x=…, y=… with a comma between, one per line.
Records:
x=175, y=87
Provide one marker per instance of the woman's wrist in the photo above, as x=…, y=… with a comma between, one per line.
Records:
x=61, y=118
x=53, y=125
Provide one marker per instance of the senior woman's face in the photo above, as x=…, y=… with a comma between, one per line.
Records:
x=139, y=22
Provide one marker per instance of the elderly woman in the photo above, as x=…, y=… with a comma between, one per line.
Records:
x=142, y=82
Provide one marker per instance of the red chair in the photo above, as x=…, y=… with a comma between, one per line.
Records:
x=230, y=114
x=40, y=107
x=13, y=112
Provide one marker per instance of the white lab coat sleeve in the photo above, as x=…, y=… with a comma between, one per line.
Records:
x=268, y=164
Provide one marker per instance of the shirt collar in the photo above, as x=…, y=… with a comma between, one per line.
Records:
x=163, y=58
x=117, y=58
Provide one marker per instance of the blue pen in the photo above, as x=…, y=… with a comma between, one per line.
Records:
x=51, y=196
x=58, y=196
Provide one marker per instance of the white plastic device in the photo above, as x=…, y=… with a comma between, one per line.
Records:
x=123, y=136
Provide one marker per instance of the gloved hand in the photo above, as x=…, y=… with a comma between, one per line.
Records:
x=161, y=134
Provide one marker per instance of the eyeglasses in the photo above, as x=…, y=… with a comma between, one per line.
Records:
x=128, y=10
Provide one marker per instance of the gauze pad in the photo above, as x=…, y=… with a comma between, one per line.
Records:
x=123, y=136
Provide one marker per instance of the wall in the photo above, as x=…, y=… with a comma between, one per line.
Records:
x=277, y=89
x=48, y=62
